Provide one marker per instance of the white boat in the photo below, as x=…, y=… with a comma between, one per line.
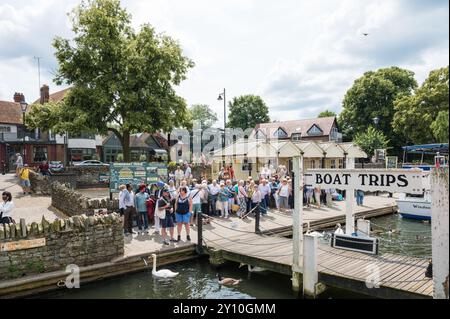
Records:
x=415, y=206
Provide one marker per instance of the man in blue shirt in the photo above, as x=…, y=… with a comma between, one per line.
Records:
x=141, y=206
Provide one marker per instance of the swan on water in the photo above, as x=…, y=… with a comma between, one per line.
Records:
x=252, y=268
x=228, y=281
x=162, y=273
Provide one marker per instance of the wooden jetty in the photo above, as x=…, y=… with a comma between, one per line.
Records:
x=399, y=276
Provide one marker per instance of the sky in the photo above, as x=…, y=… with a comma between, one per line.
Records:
x=300, y=56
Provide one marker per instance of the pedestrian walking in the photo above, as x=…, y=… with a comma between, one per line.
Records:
x=24, y=179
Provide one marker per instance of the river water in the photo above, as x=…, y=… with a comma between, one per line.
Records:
x=198, y=279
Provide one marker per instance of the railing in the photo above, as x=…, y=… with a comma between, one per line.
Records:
x=7, y=137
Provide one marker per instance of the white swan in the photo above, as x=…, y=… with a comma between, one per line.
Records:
x=162, y=273
x=253, y=268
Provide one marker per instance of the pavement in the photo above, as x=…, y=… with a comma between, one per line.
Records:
x=31, y=207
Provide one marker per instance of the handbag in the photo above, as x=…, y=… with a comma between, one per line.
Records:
x=218, y=205
x=160, y=212
x=235, y=207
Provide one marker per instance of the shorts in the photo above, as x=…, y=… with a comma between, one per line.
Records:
x=167, y=222
x=196, y=208
x=25, y=182
x=183, y=218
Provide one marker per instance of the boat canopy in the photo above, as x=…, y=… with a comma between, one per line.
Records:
x=441, y=148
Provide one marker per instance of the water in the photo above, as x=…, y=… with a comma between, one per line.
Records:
x=197, y=280
x=409, y=237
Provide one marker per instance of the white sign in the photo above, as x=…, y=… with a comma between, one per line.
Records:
x=390, y=180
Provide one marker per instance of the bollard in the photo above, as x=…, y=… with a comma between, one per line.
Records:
x=311, y=285
x=257, y=216
x=199, y=234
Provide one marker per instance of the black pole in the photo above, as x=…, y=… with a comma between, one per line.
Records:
x=199, y=233
x=257, y=217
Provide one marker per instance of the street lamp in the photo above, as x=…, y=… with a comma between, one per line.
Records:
x=222, y=96
x=23, y=106
x=376, y=120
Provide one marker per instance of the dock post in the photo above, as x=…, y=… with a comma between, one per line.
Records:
x=439, y=232
x=363, y=227
x=349, y=218
x=199, y=233
x=297, y=226
x=257, y=218
x=311, y=286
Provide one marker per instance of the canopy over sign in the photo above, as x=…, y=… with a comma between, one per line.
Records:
x=389, y=180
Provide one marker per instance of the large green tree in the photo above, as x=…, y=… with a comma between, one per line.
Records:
x=326, y=113
x=372, y=96
x=423, y=117
x=203, y=114
x=370, y=140
x=117, y=76
x=246, y=111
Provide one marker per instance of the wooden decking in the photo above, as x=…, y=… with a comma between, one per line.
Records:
x=398, y=276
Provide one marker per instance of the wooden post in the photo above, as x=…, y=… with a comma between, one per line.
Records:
x=257, y=218
x=439, y=233
x=310, y=273
x=23, y=227
x=363, y=227
x=349, y=218
x=297, y=235
x=199, y=233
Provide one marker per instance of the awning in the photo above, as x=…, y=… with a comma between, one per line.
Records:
x=427, y=148
x=159, y=151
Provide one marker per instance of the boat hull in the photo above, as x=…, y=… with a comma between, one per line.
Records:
x=420, y=210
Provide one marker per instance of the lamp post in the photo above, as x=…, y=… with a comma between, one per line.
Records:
x=222, y=96
x=376, y=120
x=23, y=106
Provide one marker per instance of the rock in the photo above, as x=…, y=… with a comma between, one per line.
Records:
x=2, y=232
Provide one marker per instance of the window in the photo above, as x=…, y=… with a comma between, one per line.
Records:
x=111, y=154
x=39, y=153
x=315, y=130
x=82, y=135
x=296, y=136
x=260, y=135
x=81, y=154
x=180, y=153
x=341, y=163
x=313, y=164
x=280, y=133
x=5, y=129
x=333, y=163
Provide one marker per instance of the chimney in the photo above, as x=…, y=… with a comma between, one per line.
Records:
x=19, y=97
x=45, y=94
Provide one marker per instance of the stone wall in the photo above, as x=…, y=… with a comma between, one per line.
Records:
x=72, y=203
x=89, y=176
x=79, y=240
x=43, y=184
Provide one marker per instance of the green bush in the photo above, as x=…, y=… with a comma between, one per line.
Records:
x=172, y=166
x=119, y=157
x=143, y=158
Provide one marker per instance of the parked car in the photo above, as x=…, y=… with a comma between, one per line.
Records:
x=90, y=163
x=56, y=166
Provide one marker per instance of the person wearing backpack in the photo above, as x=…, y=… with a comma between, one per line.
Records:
x=183, y=212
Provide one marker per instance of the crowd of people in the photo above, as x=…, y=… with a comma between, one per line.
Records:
x=173, y=207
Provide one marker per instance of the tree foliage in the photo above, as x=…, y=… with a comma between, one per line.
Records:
x=326, y=113
x=246, y=111
x=118, y=75
x=203, y=114
x=423, y=117
x=373, y=95
x=371, y=140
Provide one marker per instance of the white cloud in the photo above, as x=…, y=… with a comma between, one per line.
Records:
x=300, y=56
